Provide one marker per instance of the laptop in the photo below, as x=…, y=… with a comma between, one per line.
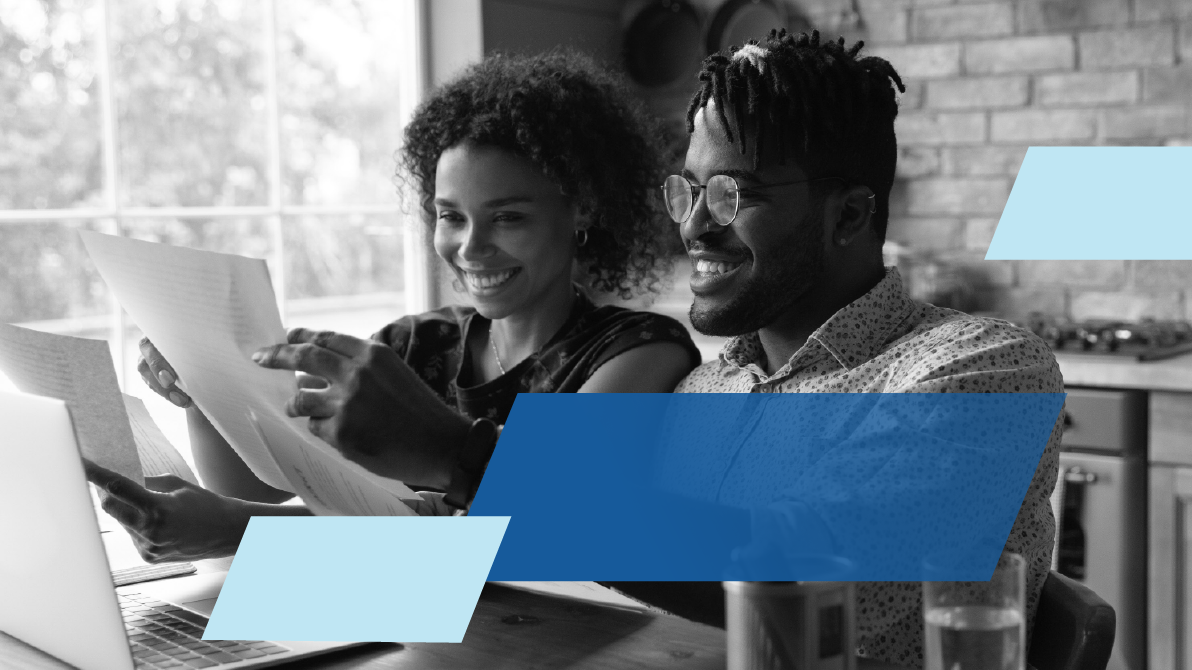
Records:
x=56, y=589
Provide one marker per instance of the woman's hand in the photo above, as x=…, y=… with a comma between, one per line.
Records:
x=374, y=409
x=159, y=375
x=171, y=519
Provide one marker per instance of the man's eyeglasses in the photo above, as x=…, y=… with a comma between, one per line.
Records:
x=724, y=196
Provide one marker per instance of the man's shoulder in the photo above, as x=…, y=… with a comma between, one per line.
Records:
x=945, y=341
x=705, y=378
x=931, y=326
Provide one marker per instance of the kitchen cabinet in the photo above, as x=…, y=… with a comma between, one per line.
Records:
x=1170, y=531
x=1170, y=566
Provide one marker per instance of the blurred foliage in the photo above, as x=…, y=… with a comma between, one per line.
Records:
x=190, y=98
x=49, y=106
x=189, y=82
x=342, y=255
x=46, y=274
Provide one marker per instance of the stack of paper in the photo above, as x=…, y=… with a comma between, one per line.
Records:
x=115, y=433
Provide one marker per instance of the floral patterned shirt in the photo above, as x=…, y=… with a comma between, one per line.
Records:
x=885, y=342
x=434, y=346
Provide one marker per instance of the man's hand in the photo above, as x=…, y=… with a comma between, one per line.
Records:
x=172, y=519
x=374, y=409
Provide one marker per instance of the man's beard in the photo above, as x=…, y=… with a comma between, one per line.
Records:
x=766, y=297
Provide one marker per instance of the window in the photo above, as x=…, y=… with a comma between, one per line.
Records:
x=266, y=128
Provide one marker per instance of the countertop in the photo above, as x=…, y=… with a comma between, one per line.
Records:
x=1172, y=374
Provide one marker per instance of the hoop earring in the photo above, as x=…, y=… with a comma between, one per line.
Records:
x=581, y=237
x=872, y=203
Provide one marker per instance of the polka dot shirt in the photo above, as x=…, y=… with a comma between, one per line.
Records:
x=887, y=343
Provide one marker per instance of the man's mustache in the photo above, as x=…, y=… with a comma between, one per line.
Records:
x=728, y=250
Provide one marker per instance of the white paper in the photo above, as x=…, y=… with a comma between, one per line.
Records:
x=332, y=485
x=207, y=313
x=79, y=372
x=158, y=456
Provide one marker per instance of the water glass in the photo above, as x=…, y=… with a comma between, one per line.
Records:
x=791, y=625
x=977, y=625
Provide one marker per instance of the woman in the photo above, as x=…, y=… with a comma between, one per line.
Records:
x=531, y=170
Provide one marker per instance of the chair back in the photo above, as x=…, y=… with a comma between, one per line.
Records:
x=1074, y=627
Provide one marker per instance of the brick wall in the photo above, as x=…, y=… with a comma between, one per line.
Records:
x=985, y=80
x=988, y=79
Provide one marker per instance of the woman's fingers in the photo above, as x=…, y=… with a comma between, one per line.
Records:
x=118, y=485
x=159, y=375
x=345, y=345
x=309, y=358
x=130, y=516
x=312, y=403
x=165, y=483
x=125, y=500
x=306, y=381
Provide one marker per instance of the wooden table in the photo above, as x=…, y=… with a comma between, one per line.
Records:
x=517, y=628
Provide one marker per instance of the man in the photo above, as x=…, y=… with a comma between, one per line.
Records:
x=783, y=207
x=788, y=262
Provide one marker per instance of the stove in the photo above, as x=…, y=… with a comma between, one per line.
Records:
x=1145, y=340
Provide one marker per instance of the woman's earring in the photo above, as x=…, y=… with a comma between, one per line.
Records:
x=581, y=237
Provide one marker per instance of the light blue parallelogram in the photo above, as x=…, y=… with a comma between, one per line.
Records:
x=1098, y=203
x=356, y=579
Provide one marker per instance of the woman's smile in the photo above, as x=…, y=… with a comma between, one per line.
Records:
x=487, y=282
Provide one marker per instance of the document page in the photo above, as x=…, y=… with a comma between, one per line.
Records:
x=207, y=313
x=329, y=484
x=79, y=372
x=158, y=456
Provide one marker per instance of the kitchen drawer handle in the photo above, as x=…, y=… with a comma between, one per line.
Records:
x=1078, y=475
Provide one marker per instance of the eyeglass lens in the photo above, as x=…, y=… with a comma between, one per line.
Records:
x=680, y=195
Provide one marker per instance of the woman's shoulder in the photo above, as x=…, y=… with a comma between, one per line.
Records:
x=443, y=324
x=613, y=330
x=612, y=316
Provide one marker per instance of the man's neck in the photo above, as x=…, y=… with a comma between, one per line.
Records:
x=787, y=334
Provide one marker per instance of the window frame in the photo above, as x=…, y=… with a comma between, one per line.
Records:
x=110, y=218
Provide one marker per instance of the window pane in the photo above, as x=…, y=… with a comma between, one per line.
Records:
x=339, y=82
x=45, y=274
x=191, y=102
x=343, y=255
x=49, y=105
x=232, y=235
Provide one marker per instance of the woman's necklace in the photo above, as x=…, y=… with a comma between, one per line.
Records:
x=492, y=341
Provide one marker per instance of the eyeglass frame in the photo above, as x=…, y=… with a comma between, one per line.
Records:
x=697, y=187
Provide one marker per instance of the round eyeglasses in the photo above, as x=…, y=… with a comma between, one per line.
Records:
x=724, y=196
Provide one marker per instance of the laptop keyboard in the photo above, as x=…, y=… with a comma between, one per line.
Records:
x=164, y=636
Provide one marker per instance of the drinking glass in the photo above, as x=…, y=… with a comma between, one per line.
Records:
x=791, y=625
x=977, y=625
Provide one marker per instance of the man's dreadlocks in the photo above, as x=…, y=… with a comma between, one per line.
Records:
x=832, y=112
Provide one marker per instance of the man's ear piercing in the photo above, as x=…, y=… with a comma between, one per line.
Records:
x=872, y=203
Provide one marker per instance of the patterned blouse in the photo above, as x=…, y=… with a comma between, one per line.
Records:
x=885, y=342
x=434, y=344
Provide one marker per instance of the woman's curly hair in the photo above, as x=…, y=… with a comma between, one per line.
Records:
x=577, y=123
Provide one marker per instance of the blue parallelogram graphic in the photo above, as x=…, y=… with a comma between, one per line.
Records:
x=762, y=487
